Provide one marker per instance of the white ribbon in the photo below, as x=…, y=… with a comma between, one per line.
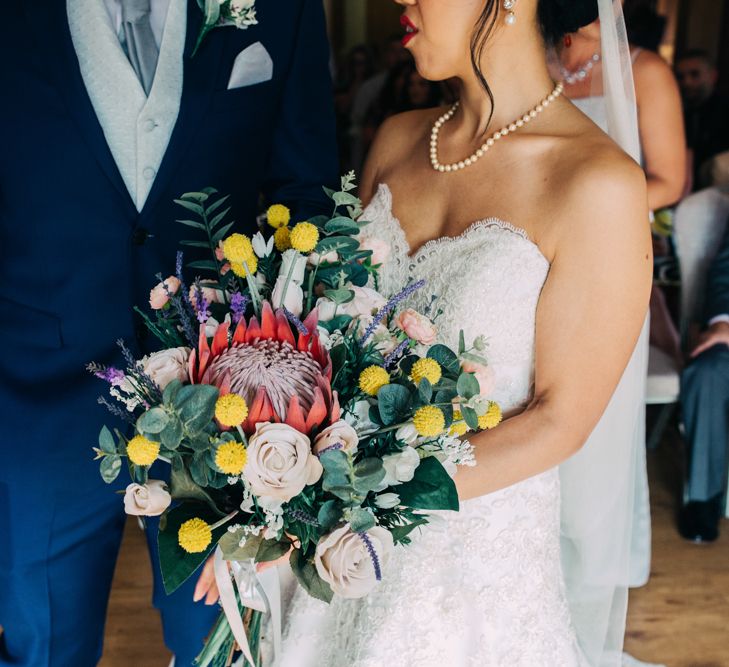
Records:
x=258, y=591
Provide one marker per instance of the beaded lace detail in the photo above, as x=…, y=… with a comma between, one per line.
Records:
x=484, y=586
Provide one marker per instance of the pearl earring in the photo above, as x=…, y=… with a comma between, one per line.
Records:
x=510, y=16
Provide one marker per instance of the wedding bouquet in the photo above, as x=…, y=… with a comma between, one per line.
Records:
x=300, y=411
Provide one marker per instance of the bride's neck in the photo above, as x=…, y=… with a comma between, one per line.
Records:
x=518, y=78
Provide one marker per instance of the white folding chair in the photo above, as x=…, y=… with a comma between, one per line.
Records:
x=699, y=225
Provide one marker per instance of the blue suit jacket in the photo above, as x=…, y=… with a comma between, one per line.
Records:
x=76, y=256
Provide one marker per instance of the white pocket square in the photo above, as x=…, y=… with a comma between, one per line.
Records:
x=252, y=65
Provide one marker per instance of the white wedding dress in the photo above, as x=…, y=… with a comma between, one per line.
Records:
x=482, y=587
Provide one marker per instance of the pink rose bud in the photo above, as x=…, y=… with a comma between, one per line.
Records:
x=158, y=297
x=417, y=326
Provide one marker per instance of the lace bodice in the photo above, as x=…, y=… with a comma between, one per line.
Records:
x=483, y=586
x=487, y=281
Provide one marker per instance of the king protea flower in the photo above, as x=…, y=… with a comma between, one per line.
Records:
x=284, y=375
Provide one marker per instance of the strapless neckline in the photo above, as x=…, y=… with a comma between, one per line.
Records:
x=424, y=250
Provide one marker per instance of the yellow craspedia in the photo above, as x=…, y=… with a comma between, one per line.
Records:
x=282, y=239
x=429, y=421
x=492, y=417
x=458, y=428
x=238, y=248
x=239, y=268
x=141, y=451
x=372, y=379
x=428, y=369
x=195, y=536
x=231, y=410
x=304, y=237
x=278, y=216
x=231, y=458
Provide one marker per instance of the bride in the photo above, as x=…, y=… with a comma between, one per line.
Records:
x=556, y=273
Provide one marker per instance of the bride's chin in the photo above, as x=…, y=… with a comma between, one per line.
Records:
x=430, y=69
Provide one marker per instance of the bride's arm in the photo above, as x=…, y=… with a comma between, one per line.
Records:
x=589, y=316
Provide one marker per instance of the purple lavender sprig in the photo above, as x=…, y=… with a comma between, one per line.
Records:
x=332, y=448
x=303, y=517
x=295, y=321
x=202, y=307
x=389, y=307
x=178, y=303
x=393, y=357
x=373, y=554
x=238, y=304
x=109, y=374
x=147, y=384
x=115, y=410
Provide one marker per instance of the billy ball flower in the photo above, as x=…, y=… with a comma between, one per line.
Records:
x=231, y=410
x=459, y=427
x=429, y=421
x=231, y=458
x=282, y=239
x=141, y=451
x=426, y=369
x=278, y=216
x=195, y=536
x=491, y=418
x=239, y=268
x=304, y=237
x=372, y=379
x=237, y=248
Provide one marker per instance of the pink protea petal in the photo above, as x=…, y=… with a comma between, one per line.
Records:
x=283, y=329
x=254, y=330
x=336, y=411
x=239, y=337
x=192, y=366
x=312, y=320
x=268, y=321
x=260, y=410
x=318, y=412
x=295, y=415
x=220, y=341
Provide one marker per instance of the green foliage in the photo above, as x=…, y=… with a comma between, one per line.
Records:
x=394, y=403
x=270, y=550
x=110, y=467
x=309, y=578
x=430, y=489
x=447, y=360
x=467, y=386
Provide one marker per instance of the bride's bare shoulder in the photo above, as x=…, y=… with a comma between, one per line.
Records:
x=399, y=135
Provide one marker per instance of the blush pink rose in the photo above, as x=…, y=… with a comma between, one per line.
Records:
x=158, y=297
x=380, y=249
x=484, y=375
x=417, y=326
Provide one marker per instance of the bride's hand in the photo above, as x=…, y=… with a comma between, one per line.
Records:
x=206, y=585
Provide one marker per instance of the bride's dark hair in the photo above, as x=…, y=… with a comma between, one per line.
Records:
x=556, y=19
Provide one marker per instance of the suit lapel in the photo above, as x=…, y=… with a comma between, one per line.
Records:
x=53, y=37
x=199, y=75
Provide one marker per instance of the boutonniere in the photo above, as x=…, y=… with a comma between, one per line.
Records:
x=218, y=13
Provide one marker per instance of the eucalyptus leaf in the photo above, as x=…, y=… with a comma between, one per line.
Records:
x=475, y=358
x=467, y=386
x=270, y=550
x=344, y=199
x=342, y=225
x=182, y=486
x=171, y=435
x=337, y=243
x=170, y=391
x=106, y=441
x=329, y=514
x=339, y=296
x=393, y=402
x=470, y=417
x=153, y=421
x=446, y=358
x=425, y=391
x=199, y=469
x=309, y=578
x=361, y=520
x=110, y=467
x=196, y=405
x=430, y=489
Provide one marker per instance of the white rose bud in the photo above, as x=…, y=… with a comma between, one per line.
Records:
x=150, y=499
x=339, y=433
x=292, y=300
x=168, y=365
x=359, y=418
x=400, y=467
x=293, y=258
x=315, y=259
x=327, y=309
x=261, y=247
x=280, y=463
x=387, y=501
x=407, y=433
x=352, y=563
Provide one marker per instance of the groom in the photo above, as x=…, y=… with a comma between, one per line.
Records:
x=106, y=118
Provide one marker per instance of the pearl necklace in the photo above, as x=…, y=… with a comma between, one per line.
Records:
x=508, y=129
x=571, y=77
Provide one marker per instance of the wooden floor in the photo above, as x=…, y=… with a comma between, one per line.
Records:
x=681, y=618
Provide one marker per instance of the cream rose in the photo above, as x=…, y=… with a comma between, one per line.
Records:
x=167, y=365
x=293, y=262
x=150, y=499
x=400, y=467
x=293, y=300
x=158, y=297
x=366, y=302
x=352, y=563
x=339, y=433
x=417, y=326
x=280, y=462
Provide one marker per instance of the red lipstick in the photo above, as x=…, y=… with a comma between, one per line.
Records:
x=410, y=29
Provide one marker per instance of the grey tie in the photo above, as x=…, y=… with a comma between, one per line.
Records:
x=139, y=41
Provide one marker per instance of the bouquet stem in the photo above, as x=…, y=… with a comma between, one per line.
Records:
x=221, y=645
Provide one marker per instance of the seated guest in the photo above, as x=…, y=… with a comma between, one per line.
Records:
x=705, y=111
x=705, y=402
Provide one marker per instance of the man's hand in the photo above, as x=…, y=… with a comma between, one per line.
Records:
x=716, y=334
x=206, y=586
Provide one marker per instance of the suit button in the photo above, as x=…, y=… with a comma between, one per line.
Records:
x=140, y=236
